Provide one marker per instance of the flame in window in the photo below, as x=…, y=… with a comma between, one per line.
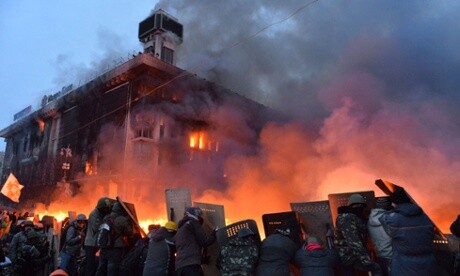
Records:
x=41, y=125
x=197, y=140
x=88, y=168
x=201, y=140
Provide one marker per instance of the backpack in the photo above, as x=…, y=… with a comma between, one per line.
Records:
x=133, y=262
x=63, y=238
x=106, y=235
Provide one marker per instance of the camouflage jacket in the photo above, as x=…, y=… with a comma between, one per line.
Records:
x=238, y=257
x=351, y=239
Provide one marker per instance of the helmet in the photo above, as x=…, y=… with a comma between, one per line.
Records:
x=117, y=208
x=356, y=199
x=171, y=225
x=81, y=217
x=103, y=202
x=245, y=232
x=28, y=223
x=193, y=211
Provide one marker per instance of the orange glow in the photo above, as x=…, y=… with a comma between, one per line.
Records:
x=146, y=222
x=88, y=168
x=41, y=125
x=59, y=215
x=197, y=140
x=200, y=140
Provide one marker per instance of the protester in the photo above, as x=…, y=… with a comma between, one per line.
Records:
x=28, y=251
x=161, y=250
x=277, y=253
x=239, y=256
x=351, y=238
x=19, y=239
x=190, y=241
x=313, y=259
x=75, y=236
x=96, y=216
x=378, y=236
x=110, y=257
x=412, y=234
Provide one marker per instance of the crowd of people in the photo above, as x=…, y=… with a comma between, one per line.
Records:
x=395, y=238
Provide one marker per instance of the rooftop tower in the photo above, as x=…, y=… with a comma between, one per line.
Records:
x=161, y=35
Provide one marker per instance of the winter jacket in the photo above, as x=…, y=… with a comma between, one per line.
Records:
x=123, y=228
x=19, y=239
x=239, y=257
x=455, y=227
x=351, y=240
x=160, y=256
x=316, y=262
x=190, y=239
x=412, y=234
x=380, y=238
x=276, y=253
x=94, y=221
x=73, y=240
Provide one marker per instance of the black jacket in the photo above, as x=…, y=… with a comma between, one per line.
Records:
x=190, y=240
x=160, y=256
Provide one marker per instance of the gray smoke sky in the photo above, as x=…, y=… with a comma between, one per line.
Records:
x=372, y=86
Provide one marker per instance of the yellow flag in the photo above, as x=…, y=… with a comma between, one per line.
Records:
x=12, y=188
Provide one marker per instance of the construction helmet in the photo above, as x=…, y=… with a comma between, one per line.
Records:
x=356, y=199
x=171, y=225
x=81, y=217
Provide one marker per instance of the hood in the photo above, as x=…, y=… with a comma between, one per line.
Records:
x=162, y=234
x=408, y=209
x=374, y=216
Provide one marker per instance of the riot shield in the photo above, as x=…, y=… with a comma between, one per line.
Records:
x=388, y=188
x=213, y=216
x=284, y=220
x=316, y=216
x=339, y=200
x=176, y=201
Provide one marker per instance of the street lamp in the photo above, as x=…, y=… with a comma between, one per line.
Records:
x=67, y=152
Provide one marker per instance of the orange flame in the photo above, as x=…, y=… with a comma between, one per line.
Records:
x=41, y=125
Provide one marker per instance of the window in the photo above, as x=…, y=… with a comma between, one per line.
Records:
x=144, y=132
x=167, y=55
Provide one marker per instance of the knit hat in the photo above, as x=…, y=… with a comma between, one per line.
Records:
x=399, y=196
x=312, y=239
x=383, y=203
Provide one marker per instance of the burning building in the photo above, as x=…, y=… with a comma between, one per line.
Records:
x=145, y=124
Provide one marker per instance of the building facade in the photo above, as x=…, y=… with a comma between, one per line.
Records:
x=143, y=123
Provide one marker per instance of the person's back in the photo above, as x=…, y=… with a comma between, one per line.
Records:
x=94, y=222
x=276, y=253
x=239, y=256
x=378, y=236
x=190, y=240
x=161, y=249
x=110, y=257
x=412, y=234
x=313, y=259
x=351, y=238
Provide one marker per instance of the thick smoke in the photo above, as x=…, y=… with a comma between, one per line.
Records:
x=371, y=88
